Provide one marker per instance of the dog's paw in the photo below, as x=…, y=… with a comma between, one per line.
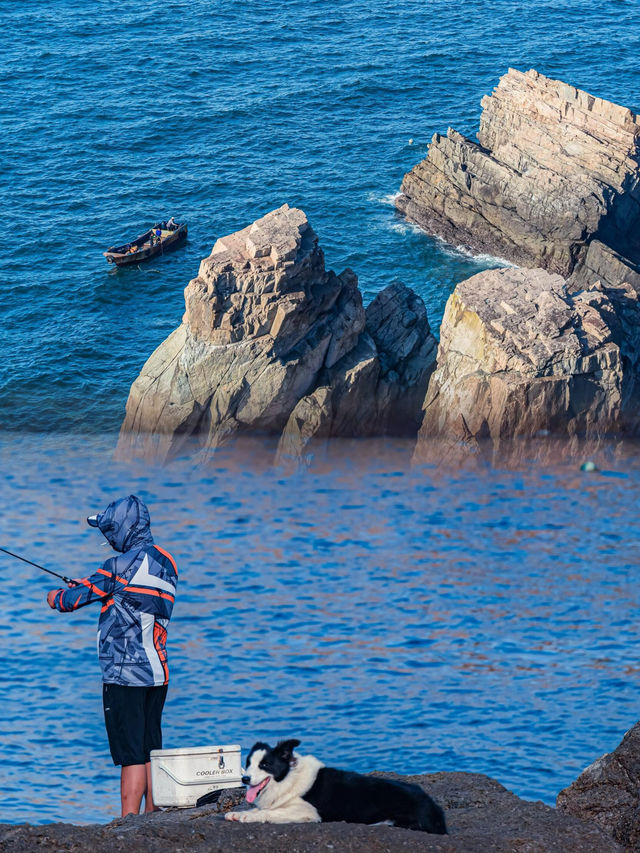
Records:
x=240, y=817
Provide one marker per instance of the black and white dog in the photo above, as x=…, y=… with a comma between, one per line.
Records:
x=291, y=788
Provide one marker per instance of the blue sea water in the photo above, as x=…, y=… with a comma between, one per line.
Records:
x=389, y=617
x=115, y=114
x=392, y=619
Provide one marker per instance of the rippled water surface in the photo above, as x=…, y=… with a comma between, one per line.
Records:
x=116, y=114
x=389, y=617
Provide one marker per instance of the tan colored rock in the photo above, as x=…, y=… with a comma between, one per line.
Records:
x=519, y=354
x=378, y=387
x=263, y=319
x=601, y=263
x=553, y=168
x=268, y=332
x=267, y=279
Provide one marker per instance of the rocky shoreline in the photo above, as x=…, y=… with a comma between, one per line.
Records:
x=481, y=816
x=273, y=343
x=596, y=813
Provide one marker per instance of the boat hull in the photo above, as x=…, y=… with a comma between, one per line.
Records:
x=175, y=239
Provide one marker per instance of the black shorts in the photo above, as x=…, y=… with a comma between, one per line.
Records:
x=133, y=716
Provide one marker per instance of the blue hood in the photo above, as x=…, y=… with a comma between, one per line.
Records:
x=125, y=524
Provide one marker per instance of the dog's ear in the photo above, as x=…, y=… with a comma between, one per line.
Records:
x=255, y=748
x=285, y=749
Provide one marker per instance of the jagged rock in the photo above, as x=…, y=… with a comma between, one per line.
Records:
x=344, y=406
x=607, y=792
x=378, y=388
x=397, y=322
x=519, y=354
x=482, y=817
x=601, y=263
x=554, y=168
x=262, y=319
x=266, y=327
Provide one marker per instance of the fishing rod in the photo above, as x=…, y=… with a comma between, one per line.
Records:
x=24, y=560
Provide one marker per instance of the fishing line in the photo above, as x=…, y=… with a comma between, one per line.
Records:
x=24, y=560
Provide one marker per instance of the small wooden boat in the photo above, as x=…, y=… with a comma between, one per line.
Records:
x=148, y=245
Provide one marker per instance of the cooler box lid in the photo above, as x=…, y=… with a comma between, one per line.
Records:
x=194, y=750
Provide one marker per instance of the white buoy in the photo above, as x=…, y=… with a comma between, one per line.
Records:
x=411, y=142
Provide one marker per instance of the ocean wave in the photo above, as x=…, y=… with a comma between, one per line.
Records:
x=403, y=226
x=389, y=199
x=481, y=258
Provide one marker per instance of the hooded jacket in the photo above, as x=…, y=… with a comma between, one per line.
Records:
x=136, y=589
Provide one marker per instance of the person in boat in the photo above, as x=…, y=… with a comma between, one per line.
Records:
x=136, y=589
x=158, y=233
x=172, y=225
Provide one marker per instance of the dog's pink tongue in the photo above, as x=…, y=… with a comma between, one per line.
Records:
x=253, y=792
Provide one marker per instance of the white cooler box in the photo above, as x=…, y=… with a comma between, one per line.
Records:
x=179, y=777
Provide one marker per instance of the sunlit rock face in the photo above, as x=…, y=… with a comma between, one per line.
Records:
x=553, y=169
x=266, y=326
x=520, y=355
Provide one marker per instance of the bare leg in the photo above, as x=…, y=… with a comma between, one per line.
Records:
x=149, y=805
x=133, y=784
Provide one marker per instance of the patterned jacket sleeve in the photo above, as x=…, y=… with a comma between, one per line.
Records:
x=95, y=588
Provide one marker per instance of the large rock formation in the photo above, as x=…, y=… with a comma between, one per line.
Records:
x=607, y=792
x=481, y=815
x=554, y=168
x=520, y=354
x=377, y=389
x=265, y=327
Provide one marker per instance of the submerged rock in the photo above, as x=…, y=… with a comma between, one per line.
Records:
x=521, y=356
x=553, y=168
x=268, y=330
x=481, y=816
x=607, y=792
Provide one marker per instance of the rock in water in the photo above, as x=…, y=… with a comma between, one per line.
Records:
x=519, y=354
x=607, y=792
x=397, y=322
x=379, y=387
x=554, y=167
x=268, y=330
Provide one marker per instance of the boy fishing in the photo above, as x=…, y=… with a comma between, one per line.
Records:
x=136, y=589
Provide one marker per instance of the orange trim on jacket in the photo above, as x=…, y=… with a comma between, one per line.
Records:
x=168, y=556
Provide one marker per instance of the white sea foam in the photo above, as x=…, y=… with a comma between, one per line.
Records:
x=401, y=226
x=479, y=258
x=483, y=258
x=388, y=199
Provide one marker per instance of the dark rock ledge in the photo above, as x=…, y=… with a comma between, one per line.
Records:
x=608, y=792
x=482, y=816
